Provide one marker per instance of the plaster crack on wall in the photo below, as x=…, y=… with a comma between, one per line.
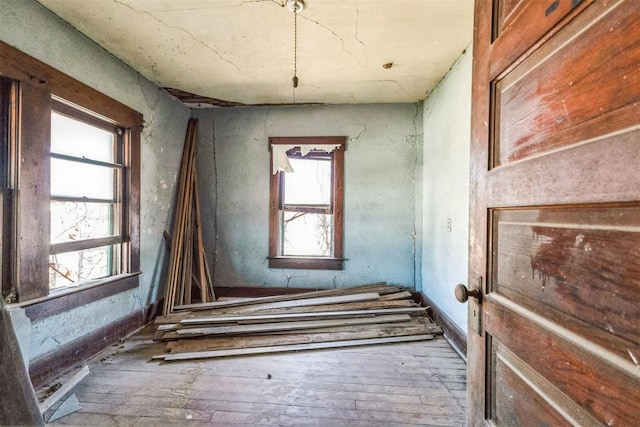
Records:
x=215, y=202
x=415, y=119
x=289, y=277
x=266, y=122
x=417, y=197
x=137, y=302
x=152, y=106
x=356, y=138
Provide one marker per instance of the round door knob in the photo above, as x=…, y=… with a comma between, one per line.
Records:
x=463, y=294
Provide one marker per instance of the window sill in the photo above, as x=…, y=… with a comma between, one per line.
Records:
x=66, y=299
x=307, y=263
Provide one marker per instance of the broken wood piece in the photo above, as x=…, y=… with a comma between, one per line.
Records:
x=290, y=326
x=18, y=403
x=367, y=305
x=380, y=288
x=396, y=296
x=70, y=405
x=222, y=343
x=352, y=328
x=257, y=318
x=66, y=387
x=288, y=348
x=256, y=304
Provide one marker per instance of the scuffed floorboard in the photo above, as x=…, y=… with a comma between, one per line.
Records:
x=421, y=383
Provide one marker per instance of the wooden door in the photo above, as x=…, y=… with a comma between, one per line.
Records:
x=554, y=336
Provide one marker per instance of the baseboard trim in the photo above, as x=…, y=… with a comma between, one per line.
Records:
x=255, y=292
x=456, y=336
x=55, y=363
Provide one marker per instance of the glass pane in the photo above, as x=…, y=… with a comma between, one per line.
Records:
x=75, y=138
x=71, y=221
x=75, y=179
x=309, y=184
x=307, y=234
x=72, y=268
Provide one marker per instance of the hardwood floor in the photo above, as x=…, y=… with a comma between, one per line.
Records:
x=421, y=383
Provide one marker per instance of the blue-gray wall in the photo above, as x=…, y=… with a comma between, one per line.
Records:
x=32, y=29
x=382, y=167
x=445, y=178
x=398, y=193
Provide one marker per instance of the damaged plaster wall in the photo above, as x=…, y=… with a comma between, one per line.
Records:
x=381, y=174
x=29, y=27
x=445, y=209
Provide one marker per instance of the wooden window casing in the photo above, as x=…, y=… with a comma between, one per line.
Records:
x=276, y=258
x=25, y=266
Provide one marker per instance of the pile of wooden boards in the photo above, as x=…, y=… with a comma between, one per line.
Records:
x=188, y=277
x=368, y=314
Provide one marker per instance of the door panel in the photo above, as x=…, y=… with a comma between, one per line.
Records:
x=589, y=377
x=519, y=25
x=555, y=214
x=571, y=81
x=517, y=395
x=582, y=262
x=517, y=387
x=594, y=171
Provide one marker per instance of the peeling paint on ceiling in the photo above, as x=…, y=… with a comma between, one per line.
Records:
x=242, y=51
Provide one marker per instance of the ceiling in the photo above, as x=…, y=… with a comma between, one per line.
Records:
x=229, y=52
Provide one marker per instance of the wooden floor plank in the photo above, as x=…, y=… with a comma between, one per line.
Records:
x=393, y=385
x=146, y=411
x=233, y=418
x=374, y=416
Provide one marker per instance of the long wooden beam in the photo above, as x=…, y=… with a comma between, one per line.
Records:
x=288, y=348
x=260, y=318
x=379, y=288
x=289, y=326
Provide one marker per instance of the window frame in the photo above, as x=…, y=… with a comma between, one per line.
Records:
x=275, y=257
x=118, y=201
x=34, y=85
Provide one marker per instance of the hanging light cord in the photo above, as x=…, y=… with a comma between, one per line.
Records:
x=295, y=48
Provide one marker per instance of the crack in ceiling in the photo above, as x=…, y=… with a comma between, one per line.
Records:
x=240, y=52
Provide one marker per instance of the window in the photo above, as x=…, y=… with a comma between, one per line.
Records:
x=86, y=197
x=70, y=187
x=306, y=202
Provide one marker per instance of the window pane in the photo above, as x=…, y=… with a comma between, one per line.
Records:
x=307, y=234
x=71, y=221
x=75, y=138
x=309, y=184
x=73, y=179
x=72, y=268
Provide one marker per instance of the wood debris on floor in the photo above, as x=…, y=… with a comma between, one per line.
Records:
x=369, y=314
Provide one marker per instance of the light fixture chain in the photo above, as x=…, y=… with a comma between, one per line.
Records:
x=295, y=47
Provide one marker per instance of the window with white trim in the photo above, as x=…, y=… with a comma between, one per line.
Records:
x=306, y=202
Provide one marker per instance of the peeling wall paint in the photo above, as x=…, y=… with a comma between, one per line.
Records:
x=397, y=191
x=381, y=198
x=445, y=208
x=54, y=42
